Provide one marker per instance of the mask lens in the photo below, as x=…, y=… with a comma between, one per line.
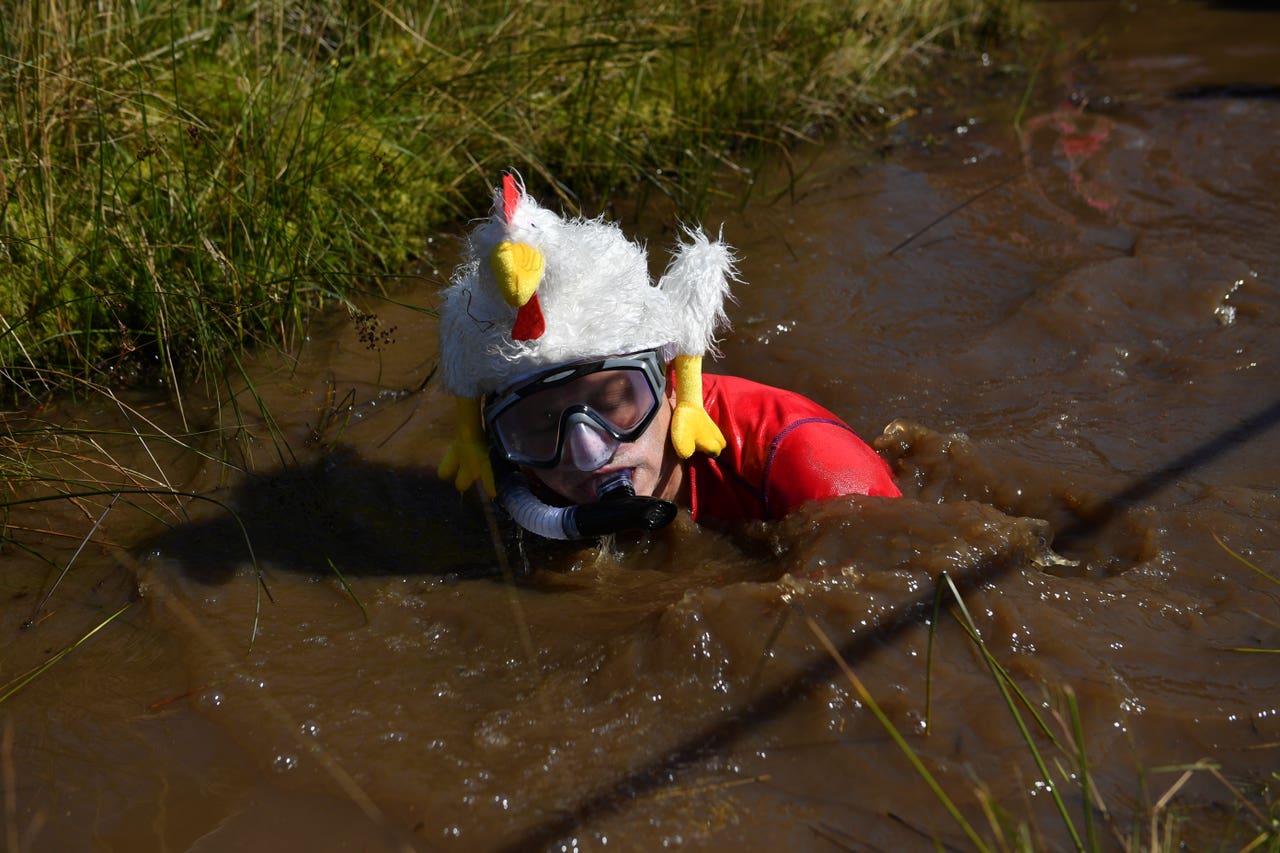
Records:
x=620, y=399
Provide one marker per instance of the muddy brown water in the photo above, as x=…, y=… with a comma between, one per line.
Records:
x=1071, y=330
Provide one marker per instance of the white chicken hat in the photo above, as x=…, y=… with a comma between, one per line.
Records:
x=536, y=290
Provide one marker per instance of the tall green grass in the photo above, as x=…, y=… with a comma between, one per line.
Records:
x=177, y=179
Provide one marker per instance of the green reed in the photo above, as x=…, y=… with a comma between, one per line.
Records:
x=178, y=179
x=899, y=740
x=1062, y=760
x=93, y=476
x=15, y=684
x=1018, y=703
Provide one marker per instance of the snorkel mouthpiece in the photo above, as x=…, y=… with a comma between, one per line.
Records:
x=615, y=485
x=617, y=508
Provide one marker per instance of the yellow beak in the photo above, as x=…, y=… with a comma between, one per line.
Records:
x=518, y=268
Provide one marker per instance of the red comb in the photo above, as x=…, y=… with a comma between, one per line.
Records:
x=510, y=195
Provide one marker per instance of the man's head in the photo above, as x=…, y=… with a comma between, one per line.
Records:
x=536, y=292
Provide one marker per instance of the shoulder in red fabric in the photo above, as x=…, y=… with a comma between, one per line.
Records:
x=782, y=451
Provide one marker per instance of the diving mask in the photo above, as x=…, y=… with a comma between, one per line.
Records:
x=590, y=407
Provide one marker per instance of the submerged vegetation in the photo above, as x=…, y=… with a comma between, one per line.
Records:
x=180, y=179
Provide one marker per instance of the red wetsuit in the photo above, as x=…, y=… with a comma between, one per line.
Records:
x=783, y=450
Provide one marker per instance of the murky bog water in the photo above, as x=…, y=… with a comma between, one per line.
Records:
x=1067, y=317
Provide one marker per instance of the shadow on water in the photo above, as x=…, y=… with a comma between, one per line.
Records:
x=339, y=511
x=858, y=650
x=1078, y=534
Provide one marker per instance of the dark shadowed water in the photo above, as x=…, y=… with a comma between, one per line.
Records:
x=1060, y=325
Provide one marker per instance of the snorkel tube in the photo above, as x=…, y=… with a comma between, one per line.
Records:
x=617, y=508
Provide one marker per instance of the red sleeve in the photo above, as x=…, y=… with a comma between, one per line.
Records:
x=782, y=450
x=818, y=458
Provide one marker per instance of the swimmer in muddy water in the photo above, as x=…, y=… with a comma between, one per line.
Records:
x=581, y=402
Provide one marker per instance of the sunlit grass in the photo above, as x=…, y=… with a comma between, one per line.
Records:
x=178, y=179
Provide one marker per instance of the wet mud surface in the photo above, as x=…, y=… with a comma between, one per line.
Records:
x=1060, y=325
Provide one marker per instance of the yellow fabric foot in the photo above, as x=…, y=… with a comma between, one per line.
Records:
x=467, y=459
x=691, y=427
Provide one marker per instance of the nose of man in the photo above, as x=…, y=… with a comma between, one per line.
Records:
x=590, y=447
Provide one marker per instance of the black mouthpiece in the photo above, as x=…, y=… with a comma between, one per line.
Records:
x=619, y=508
x=618, y=511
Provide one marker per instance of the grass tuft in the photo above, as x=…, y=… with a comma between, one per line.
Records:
x=179, y=179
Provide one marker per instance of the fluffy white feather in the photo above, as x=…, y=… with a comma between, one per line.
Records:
x=697, y=282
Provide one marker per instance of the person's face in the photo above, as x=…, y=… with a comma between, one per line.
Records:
x=653, y=463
